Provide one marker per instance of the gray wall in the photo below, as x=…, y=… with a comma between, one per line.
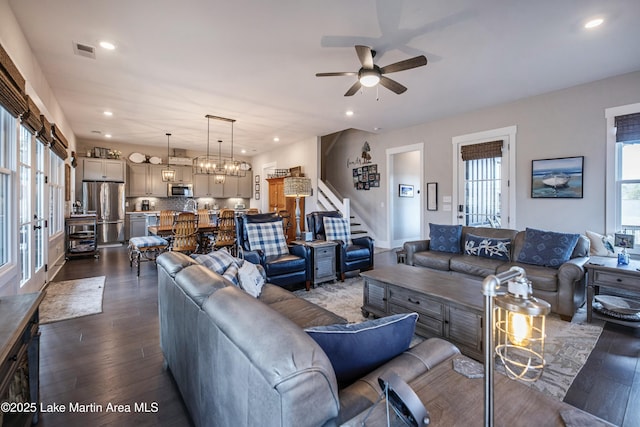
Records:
x=564, y=123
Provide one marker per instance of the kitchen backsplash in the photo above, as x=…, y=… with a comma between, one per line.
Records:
x=179, y=203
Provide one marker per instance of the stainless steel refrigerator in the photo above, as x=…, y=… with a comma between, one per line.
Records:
x=106, y=199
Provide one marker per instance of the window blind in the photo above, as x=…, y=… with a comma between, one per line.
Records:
x=59, y=144
x=484, y=150
x=11, y=86
x=31, y=117
x=44, y=134
x=628, y=128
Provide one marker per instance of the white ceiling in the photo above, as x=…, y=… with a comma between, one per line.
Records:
x=255, y=61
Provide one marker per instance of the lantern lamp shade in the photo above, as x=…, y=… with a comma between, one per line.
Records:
x=297, y=187
x=168, y=175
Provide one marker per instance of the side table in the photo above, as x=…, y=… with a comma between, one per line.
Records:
x=603, y=272
x=323, y=259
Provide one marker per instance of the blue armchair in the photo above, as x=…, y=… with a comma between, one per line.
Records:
x=355, y=256
x=288, y=269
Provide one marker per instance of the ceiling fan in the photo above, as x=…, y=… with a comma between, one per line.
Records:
x=370, y=74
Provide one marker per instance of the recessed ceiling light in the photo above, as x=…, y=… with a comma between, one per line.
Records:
x=594, y=23
x=243, y=151
x=276, y=139
x=107, y=45
x=108, y=113
x=349, y=113
x=107, y=135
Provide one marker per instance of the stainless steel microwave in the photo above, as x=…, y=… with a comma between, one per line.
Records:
x=180, y=190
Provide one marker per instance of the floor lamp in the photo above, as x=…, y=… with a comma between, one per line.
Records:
x=297, y=187
x=518, y=330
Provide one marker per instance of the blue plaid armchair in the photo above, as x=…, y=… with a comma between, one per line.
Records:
x=261, y=240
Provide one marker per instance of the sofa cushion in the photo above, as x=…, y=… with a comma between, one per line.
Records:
x=474, y=265
x=542, y=278
x=487, y=247
x=433, y=259
x=357, y=348
x=217, y=261
x=601, y=245
x=547, y=248
x=445, y=238
x=267, y=237
x=337, y=229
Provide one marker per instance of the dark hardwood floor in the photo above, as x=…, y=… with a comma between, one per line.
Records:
x=114, y=357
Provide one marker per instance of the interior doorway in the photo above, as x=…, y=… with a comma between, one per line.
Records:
x=405, y=206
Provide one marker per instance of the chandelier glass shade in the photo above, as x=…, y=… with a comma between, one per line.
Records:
x=168, y=174
x=218, y=166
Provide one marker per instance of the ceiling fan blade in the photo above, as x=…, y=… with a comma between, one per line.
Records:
x=392, y=85
x=345, y=73
x=365, y=56
x=407, y=64
x=353, y=89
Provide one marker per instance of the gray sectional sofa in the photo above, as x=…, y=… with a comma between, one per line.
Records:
x=561, y=286
x=240, y=360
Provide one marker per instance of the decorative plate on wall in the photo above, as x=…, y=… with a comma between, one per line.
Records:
x=137, y=157
x=155, y=160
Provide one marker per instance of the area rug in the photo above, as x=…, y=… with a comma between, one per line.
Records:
x=567, y=346
x=72, y=298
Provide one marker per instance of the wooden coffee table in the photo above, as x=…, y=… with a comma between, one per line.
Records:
x=450, y=306
x=455, y=400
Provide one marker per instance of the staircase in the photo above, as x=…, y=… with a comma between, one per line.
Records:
x=328, y=200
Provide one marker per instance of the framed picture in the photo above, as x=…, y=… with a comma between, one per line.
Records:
x=257, y=195
x=257, y=188
x=432, y=196
x=256, y=179
x=623, y=240
x=559, y=178
x=405, y=190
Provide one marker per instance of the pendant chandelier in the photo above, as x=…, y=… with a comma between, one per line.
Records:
x=219, y=167
x=168, y=174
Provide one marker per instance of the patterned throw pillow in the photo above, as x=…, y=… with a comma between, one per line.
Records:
x=337, y=229
x=217, y=261
x=267, y=237
x=445, y=238
x=231, y=274
x=547, y=248
x=487, y=247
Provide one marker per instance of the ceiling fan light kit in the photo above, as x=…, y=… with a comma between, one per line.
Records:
x=370, y=74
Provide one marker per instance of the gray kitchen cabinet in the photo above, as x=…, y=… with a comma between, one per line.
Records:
x=146, y=180
x=94, y=169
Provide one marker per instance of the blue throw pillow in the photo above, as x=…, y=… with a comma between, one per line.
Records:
x=547, y=248
x=445, y=238
x=487, y=247
x=268, y=237
x=217, y=261
x=358, y=348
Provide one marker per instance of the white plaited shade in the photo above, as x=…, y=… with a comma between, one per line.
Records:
x=297, y=187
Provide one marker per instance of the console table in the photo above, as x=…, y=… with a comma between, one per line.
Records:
x=603, y=272
x=455, y=400
x=450, y=307
x=19, y=358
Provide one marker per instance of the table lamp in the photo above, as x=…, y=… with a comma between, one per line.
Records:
x=518, y=328
x=295, y=186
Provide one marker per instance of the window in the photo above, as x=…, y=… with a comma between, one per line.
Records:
x=56, y=194
x=623, y=173
x=7, y=167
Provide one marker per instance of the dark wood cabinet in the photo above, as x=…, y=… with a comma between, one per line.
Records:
x=19, y=358
x=278, y=202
